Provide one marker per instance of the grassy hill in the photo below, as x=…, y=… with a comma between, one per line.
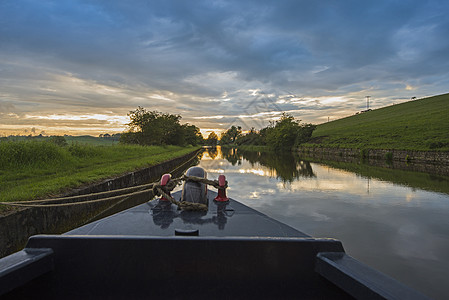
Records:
x=415, y=125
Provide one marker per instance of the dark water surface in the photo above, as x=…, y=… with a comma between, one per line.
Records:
x=395, y=221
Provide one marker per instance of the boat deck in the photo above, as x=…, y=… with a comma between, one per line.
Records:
x=161, y=218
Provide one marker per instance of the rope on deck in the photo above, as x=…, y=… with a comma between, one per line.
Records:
x=184, y=205
x=28, y=204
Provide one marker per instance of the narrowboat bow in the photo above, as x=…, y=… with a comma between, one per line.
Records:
x=155, y=250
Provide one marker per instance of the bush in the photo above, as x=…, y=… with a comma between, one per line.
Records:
x=83, y=151
x=58, y=140
x=20, y=154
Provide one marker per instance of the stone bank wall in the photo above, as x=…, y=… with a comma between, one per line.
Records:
x=421, y=161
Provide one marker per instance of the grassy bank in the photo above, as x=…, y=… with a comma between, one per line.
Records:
x=421, y=125
x=33, y=169
x=83, y=139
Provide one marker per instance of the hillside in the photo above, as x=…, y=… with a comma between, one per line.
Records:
x=415, y=125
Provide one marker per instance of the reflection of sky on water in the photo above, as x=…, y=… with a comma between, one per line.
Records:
x=399, y=230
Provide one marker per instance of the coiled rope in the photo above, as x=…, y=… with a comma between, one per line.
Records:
x=184, y=205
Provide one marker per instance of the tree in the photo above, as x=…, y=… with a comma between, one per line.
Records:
x=155, y=128
x=304, y=133
x=192, y=134
x=283, y=134
x=234, y=133
x=287, y=133
x=225, y=139
x=263, y=135
x=251, y=138
x=231, y=135
x=212, y=139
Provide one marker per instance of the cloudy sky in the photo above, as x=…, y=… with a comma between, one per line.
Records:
x=78, y=67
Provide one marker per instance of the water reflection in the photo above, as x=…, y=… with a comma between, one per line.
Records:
x=283, y=166
x=419, y=180
x=164, y=214
x=212, y=152
x=390, y=219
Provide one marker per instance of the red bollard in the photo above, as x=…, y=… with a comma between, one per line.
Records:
x=222, y=190
x=164, y=180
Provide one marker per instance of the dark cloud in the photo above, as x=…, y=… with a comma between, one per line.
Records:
x=89, y=55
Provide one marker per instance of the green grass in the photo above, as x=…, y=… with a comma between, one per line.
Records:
x=37, y=169
x=82, y=139
x=90, y=140
x=415, y=125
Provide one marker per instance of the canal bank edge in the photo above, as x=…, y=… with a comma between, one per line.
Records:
x=17, y=227
x=435, y=162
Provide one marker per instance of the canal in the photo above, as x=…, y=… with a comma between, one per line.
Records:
x=393, y=220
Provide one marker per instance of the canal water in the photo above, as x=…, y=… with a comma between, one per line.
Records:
x=394, y=221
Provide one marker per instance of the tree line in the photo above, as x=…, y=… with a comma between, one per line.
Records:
x=156, y=128
x=280, y=135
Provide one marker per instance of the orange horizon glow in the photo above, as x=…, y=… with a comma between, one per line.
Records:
x=75, y=125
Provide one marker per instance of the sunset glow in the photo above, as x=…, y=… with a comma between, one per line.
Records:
x=71, y=67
